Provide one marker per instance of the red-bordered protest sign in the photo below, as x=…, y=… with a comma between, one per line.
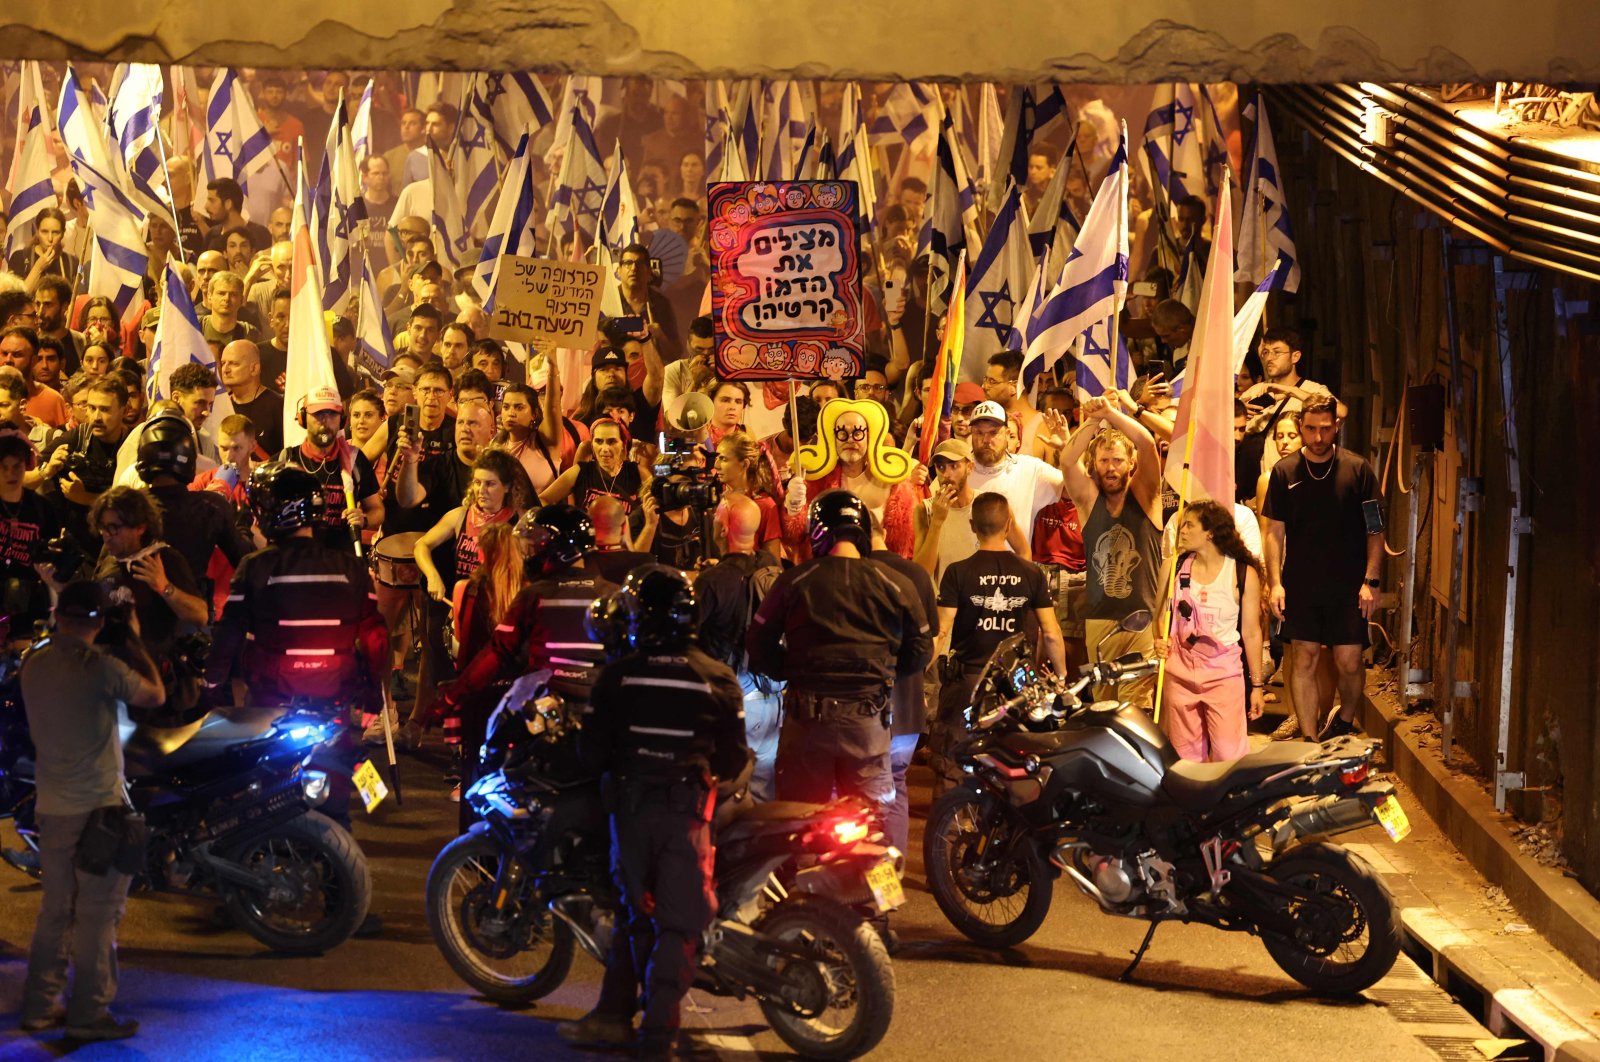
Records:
x=785, y=279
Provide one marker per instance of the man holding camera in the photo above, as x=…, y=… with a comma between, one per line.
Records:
x=71, y=691
x=83, y=461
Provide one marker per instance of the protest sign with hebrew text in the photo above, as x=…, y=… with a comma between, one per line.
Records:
x=538, y=298
x=785, y=279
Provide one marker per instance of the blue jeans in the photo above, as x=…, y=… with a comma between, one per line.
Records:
x=898, y=814
x=763, y=714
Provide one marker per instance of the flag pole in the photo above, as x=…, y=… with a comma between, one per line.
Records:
x=1171, y=577
x=172, y=204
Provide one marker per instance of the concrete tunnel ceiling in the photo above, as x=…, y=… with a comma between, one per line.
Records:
x=1136, y=41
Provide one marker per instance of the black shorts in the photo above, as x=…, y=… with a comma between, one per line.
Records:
x=1325, y=622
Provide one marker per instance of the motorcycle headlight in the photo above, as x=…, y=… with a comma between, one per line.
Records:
x=315, y=785
x=310, y=733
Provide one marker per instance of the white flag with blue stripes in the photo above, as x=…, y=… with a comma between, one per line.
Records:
x=117, y=258
x=1265, y=238
x=179, y=340
x=1172, y=142
x=31, y=189
x=511, y=231
x=582, y=185
x=339, y=213
x=997, y=285
x=477, y=169
x=236, y=144
x=1244, y=327
x=361, y=127
x=619, y=214
x=909, y=114
x=374, y=343
x=514, y=103
x=135, y=129
x=449, y=222
x=1094, y=280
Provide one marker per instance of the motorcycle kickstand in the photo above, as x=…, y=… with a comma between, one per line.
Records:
x=1138, y=956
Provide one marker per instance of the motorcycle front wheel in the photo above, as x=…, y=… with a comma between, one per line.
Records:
x=512, y=956
x=318, y=886
x=849, y=977
x=994, y=891
x=1348, y=936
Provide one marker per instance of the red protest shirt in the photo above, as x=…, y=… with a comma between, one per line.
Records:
x=1057, y=537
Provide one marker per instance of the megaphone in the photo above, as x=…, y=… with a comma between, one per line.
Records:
x=690, y=411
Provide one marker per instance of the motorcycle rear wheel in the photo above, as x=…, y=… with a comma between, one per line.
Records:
x=856, y=968
x=317, y=857
x=980, y=896
x=1339, y=957
x=495, y=960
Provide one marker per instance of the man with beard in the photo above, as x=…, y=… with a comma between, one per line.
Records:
x=84, y=460
x=51, y=299
x=695, y=371
x=1121, y=534
x=434, y=441
x=1324, y=509
x=1028, y=483
x=349, y=486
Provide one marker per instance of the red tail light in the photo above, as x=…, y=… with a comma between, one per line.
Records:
x=1355, y=775
x=849, y=831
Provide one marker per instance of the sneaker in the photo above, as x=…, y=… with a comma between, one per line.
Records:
x=1287, y=730
x=596, y=1030
x=51, y=1018
x=1338, y=726
x=455, y=794
x=373, y=735
x=107, y=1027
x=24, y=859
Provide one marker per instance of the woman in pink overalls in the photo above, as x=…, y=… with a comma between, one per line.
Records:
x=1203, y=706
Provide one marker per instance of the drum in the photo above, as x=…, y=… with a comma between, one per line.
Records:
x=393, y=562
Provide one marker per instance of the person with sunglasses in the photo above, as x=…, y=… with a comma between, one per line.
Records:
x=891, y=504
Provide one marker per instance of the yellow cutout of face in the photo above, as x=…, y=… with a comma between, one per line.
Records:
x=887, y=462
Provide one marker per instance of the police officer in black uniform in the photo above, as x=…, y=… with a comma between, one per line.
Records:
x=840, y=629
x=667, y=722
x=195, y=522
x=304, y=615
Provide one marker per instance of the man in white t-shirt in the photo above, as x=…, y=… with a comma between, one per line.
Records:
x=1028, y=483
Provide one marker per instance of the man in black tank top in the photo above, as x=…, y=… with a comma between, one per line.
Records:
x=1121, y=493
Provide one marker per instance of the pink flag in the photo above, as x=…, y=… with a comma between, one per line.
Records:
x=1200, y=463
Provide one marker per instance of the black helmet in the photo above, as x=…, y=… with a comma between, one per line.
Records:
x=557, y=537
x=607, y=624
x=284, y=498
x=839, y=516
x=166, y=447
x=659, y=602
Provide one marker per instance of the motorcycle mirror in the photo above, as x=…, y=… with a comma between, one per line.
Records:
x=1134, y=622
x=1127, y=659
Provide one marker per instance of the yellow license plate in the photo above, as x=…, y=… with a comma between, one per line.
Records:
x=885, y=886
x=369, y=784
x=1392, y=817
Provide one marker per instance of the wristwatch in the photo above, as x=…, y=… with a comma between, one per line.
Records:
x=1374, y=583
x=171, y=589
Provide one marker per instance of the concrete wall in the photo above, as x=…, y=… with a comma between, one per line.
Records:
x=1019, y=40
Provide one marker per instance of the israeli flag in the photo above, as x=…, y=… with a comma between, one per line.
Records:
x=135, y=126
x=179, y=340
x=236, y=144
x=1265, y=238
x=511, y=231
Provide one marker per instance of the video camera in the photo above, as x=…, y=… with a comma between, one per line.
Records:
x=684, y=477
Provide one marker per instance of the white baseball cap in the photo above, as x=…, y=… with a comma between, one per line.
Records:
x=989, y=411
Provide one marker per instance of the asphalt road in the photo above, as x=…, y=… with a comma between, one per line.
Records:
x=204, y=992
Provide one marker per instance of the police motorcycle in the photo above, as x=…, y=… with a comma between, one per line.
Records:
x=1094, y=791
x=230, y=805
x=509, y=901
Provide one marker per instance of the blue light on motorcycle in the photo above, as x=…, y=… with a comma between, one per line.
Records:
x=309, y=734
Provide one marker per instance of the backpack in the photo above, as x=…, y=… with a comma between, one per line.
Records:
x=756, y=585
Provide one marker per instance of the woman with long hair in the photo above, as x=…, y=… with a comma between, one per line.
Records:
x=498, y=494
x=1218, y=605
x=743, y=469
x=45, y=257
x=482, y=601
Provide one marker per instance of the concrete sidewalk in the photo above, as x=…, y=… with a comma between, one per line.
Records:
x=1522, y=955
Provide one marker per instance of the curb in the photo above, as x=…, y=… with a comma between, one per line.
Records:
x=1554, y=905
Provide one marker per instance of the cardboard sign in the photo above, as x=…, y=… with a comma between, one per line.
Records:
x=537, y=298
x=785, y=279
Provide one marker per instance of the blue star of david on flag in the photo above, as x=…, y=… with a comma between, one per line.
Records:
x=993, y=302
x=1182, y=122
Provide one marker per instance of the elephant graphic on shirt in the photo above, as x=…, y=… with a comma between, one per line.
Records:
x=1115, y=557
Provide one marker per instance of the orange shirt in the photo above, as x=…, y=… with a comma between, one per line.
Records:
x=48, y=405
